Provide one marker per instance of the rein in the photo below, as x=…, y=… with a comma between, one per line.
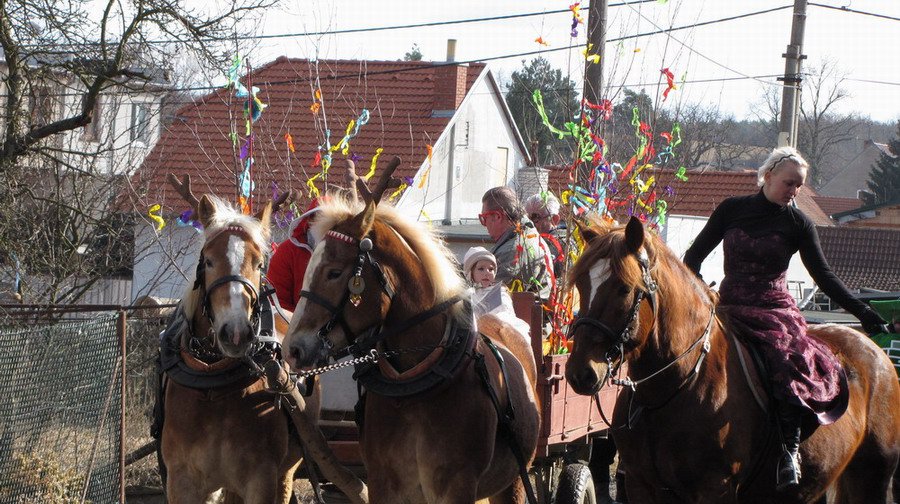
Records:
x=615, y=356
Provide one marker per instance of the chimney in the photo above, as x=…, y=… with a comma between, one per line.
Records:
x=449, y=84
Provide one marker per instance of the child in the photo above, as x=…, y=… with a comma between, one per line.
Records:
x=480, y=269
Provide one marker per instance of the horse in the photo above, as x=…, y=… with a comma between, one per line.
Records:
x=686, y=423
x=222, y=429
x=448, y=416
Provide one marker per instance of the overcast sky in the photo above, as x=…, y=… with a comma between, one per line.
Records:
x=863, y=47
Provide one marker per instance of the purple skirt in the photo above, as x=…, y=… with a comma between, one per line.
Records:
x=802, y=369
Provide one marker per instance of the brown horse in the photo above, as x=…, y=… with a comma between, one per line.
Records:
x=222, y=429
x=380, y=285
x=687, y=425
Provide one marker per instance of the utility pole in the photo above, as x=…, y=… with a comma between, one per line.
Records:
x=790, y=99
x=596, y=37
x=593, y=72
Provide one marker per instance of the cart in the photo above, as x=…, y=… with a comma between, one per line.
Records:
x=569, y=423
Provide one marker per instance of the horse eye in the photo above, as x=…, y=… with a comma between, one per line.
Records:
x=208, y=263
x=624, y=290
x=332, y=274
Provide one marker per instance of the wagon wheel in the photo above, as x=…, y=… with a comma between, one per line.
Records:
x=576, y=486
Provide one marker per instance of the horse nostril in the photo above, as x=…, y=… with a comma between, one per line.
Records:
x=295, y=355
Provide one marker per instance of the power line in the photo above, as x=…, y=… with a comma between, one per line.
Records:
x=707, y=58
x=855, y=11
x=508, y=56
x=423, y=25
x=544, y=51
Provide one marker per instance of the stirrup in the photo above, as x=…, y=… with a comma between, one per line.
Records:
x=788, y=471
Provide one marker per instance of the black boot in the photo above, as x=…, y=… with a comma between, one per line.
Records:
x=789, y=462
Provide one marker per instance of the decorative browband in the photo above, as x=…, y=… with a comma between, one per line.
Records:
x=341, y=236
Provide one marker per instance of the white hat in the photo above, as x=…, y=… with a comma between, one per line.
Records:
x=475, y=254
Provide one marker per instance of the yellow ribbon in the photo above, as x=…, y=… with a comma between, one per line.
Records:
x=160, y=222
x=378, y=152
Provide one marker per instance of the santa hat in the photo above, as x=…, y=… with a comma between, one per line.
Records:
x=475, y=254
x=300, y=225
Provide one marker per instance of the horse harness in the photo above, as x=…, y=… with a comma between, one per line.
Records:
x=624, y=342
x=446, y=361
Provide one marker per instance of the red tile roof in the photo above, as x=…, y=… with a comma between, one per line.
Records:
x=863, y=257
x=704, y=190
x=400, y=96
x=832, y=205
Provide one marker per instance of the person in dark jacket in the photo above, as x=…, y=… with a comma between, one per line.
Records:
x=760, y=233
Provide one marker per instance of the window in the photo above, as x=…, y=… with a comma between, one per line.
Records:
x=140, y=122
x=93, y=130
x=42, y=106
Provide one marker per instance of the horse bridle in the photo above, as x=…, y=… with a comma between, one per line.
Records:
x=355, y=287
x=256, y=301
x=616, y=353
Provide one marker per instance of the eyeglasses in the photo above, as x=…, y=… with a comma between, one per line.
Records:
x=482, y=217
x=536, y=216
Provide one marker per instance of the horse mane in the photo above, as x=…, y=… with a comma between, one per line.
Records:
x=225, y=215
x=437, y=260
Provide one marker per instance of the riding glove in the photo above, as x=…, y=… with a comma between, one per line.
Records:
x=872, y=323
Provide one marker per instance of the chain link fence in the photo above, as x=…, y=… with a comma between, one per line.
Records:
x=60, y=423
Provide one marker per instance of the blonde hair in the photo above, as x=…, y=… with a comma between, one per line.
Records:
x=776, y=158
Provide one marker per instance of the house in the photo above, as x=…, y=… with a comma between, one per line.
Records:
x=848, y=182
x=125, y=123
x=448, y=122
x=74, y=174
x=879, y=215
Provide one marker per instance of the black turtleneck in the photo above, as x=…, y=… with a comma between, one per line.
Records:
x=757, y=216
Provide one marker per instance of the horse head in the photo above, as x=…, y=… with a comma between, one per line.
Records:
x=350, y=292
x=638, y=302
x=224, y=299
x=617, y=295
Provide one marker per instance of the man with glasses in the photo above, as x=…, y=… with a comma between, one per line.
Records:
x=523, y=259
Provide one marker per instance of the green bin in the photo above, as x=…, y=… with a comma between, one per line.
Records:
x=890, y=311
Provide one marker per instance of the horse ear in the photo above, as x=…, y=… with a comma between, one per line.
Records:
x=365, y=220
x=265, y=217
x=588, y=233
x=206, y=210
x=634, y=235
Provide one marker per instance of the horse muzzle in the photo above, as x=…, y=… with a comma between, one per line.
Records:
x=586, y=378
x=235, y=339
x=305, y=351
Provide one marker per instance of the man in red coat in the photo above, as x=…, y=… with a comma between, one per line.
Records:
x=291, y=257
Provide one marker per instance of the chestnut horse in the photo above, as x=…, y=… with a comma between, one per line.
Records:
x=382, y=287
x=687, y=425
x=222, y=429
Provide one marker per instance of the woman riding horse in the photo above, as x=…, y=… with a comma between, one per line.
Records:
x=761, y=232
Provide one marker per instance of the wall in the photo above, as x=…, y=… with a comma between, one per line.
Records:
x=164, y=263
x=485, y=154
x=679, y=234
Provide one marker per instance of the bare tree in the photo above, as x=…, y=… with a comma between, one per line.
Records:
x=822, y=127
x=80, y=101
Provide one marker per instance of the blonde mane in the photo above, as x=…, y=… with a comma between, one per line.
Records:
x=225, y=216
x=438, y=261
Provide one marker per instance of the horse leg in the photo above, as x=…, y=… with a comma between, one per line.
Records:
x=866, y=479
x=181, y=489
x=513, y=494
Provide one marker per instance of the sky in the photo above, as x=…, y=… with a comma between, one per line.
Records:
x=861, y=47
